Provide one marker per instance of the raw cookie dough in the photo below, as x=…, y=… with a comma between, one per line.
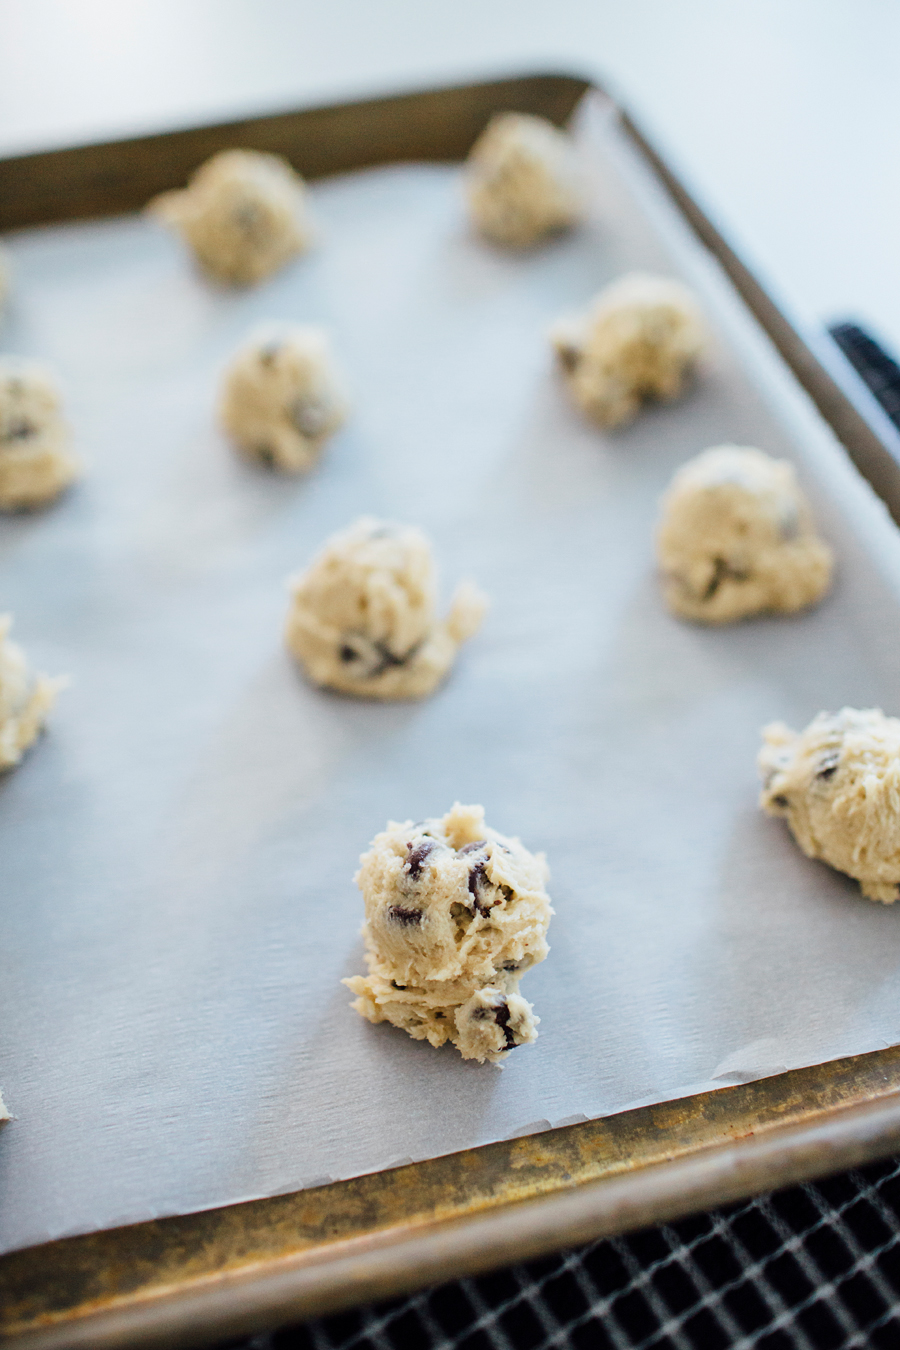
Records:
x=243, y=213
x=363, y=614
x=35, y=461
x=639, y=339
x=455, y=915
x=737, y=538
x=522, y=181
x=25, y=699
x=282, y=397
x=838, y=786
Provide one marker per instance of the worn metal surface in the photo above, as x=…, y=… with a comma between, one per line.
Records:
x=181, y=1280
x=437, y=124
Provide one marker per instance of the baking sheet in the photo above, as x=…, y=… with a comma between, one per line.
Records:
x=176, y=856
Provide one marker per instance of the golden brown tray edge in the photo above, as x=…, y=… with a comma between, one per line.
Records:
x=184, y=1280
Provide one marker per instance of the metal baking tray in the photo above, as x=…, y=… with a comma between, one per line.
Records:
x=188, y=1278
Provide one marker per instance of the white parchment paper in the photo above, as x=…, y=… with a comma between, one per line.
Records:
x=176, y=856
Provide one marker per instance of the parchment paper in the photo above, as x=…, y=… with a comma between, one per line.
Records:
x=176, y=856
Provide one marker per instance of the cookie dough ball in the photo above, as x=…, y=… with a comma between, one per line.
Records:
x=25, y=699
x=523, y=181
x=282, y=397
x=363, y=615
x=243, y=213
x=838, y=786
x=455, y=915
x=639, y=339
x=35, y=462
x=737, y=538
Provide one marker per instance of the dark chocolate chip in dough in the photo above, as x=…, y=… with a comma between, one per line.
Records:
x=471, y=848
x=479, y=886
x=722, y=571
x=501, y=1017
x=266, y=455
x=420, y=851
x=781, y=801
x=828, y=767
x=568, y=357
x=19, y=431
x=405, y=916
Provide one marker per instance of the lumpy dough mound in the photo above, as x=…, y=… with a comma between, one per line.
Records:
x=523, y=181
x=737, y=538
x=363, y=615
x=455, y=915
x=838, y=786
x=243, y=213
x=282, y=397
x=639, y=339
x=25, y=699
x=35, y=462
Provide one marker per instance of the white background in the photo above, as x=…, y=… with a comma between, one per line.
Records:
x=781, y=115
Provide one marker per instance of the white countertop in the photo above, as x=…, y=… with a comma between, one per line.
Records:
x=781, y=116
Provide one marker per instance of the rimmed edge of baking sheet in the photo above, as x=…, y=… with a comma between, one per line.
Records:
x=186, y=1279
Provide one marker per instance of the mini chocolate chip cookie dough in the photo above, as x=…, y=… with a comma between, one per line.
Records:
x=363, y=614
x=737, y=538
x=837, y=784
x=243, y=213
x=25, y=699
x=523, y=181
x=35, y=462
x=282, y=397
x=455, y=915
x=638, y=340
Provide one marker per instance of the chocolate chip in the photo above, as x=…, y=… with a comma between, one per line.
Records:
x=781, y=801
x=722, y=571
x=397, y=986
x=371, y=658
x=470, y=848
x=828, y=767
x=266, y=455
x=510, y=965
x=568, y=357
x=19, y=431
x=501, y=1017
x=479, y=886
x=438, y=1014
x=405, y=916
x=419, y=852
